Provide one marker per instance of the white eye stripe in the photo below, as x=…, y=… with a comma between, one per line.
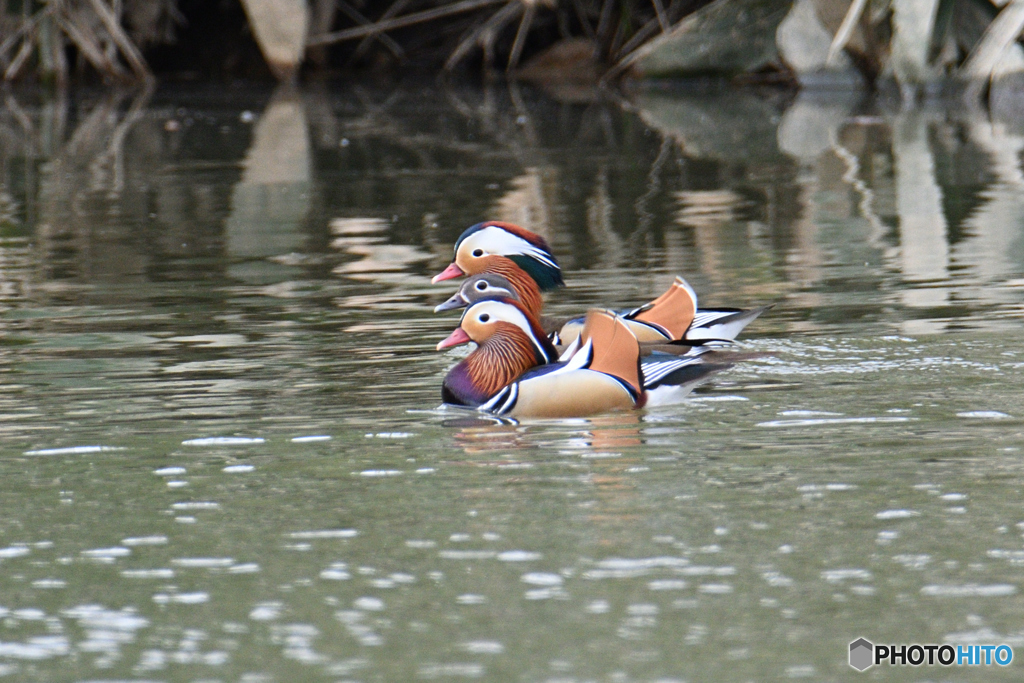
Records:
x=504, y=243
x=505, y=313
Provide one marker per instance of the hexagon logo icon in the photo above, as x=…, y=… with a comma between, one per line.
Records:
x=862, y=654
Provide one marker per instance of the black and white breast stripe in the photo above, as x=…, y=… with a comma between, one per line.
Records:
x=503, y=401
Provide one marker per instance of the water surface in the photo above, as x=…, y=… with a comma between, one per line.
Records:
x=221, y=457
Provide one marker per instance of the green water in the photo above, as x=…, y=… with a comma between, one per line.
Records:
x=221, y=454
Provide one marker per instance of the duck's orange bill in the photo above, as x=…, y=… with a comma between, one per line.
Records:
x=448, y=273
x=457, y=337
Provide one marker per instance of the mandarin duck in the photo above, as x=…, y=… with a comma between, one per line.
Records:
x=656, y=324
x=525, y=261
x=515, y=369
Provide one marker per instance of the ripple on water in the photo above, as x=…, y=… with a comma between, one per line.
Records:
x=74, y=450
x=162, y=573
x=817, y=422
x=985, y=635
x=466, y=554
x=195, y=505
x=627, y=568
x=483, y=647
x=324, y=533
x=1013, y=556
x=968, y=590
x=840, y=575
x=144, y=540
x=777, y=579
x=266, y=611
x=203, y=562
x=915, y=562
x=379, y=473
x=36, y=648
x=451, y=670
x=369, y=604
x=542, y=579
x=195, y=598
x=106, y=555
x=223, y=441
x=801, y=671
x=518, y=556
x=897, y=514
x=984, y=415
x=337, y=571
x=809, y=413
x=471, y=599
x=805, y=488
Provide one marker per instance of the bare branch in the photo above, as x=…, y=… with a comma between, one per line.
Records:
x=399, y=22
x=356, y=16
x=520, y=41
x=999, y=35
x=124, y=43
x=842, y=36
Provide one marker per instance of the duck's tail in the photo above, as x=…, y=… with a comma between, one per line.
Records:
x=669, y=379
x=722, y=324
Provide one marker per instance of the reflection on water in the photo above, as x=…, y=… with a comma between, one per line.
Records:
x=270, y=202
x=221, y=456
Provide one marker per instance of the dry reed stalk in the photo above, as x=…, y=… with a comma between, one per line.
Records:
x=524, y=27
x=356, y=16
x=393, y=9
x=93, y=28
x=400, y=22
x=484, y=35
x=845, y=31
x=999, y=35
x=128, y=50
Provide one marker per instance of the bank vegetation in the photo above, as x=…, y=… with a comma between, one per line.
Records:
x=912, y=42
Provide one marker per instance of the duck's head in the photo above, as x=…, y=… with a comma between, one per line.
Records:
x=502, y=319
x=477, y=288
x=481, y=248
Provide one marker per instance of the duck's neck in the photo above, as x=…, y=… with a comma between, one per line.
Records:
x=525, y=286
x=495, y=364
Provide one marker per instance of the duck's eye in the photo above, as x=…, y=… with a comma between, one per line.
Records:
x=478, y=252
x=484, y=317
x=481, y=286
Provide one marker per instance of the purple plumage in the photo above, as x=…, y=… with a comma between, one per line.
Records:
x=460, y=389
